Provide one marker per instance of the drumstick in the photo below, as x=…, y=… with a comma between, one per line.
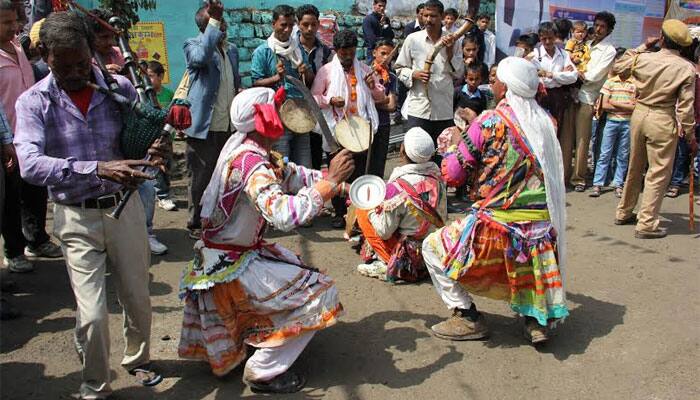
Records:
x=369, y=149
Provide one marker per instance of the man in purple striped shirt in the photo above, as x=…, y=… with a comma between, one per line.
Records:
x=67, y=138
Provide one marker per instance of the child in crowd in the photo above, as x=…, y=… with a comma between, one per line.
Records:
x=483, y=21
x=156, y=72
x=525, y=45
x=618, y=98
x=486, y=89
x=449, y=20
x=469, y=101
x=577, y=47
x=380, y=146
x=470, y=49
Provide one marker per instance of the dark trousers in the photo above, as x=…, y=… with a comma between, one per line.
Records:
x=201, y=156
x=162, y=184
x=434, y=129
x=24, y=219
x=380, y=148
x=339, y=203
x=316, y=150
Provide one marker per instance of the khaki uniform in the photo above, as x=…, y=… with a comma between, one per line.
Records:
x=666, y=94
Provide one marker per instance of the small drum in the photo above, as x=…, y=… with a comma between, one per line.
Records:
x=367, y=192
x=296, y=116
x=353, y=133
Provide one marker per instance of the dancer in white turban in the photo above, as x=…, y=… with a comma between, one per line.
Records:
x=511, y=245
x=240, y=290
x=415, y=205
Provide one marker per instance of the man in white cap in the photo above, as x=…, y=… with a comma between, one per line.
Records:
x=240, y=290
x=415, y=203
x=511, y=244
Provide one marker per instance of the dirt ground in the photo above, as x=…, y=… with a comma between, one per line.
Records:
x=633, y=332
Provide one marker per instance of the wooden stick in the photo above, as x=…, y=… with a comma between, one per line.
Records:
x=369, y=149
x=691, y=194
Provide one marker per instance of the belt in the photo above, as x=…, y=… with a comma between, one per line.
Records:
x=102, y=202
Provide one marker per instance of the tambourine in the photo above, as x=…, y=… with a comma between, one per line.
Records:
x=367, y=192
x=296, y=116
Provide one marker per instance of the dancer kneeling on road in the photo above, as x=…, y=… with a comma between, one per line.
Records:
x=510, y=246
x=415, y=204
x=240, y=290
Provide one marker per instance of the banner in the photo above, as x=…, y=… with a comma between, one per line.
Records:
x=687, y=11
x=147, y=41
x=635, y=19
x=407, y=7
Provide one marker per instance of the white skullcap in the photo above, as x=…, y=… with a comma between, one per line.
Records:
x=520, y=75
x=418, y=145
x=242, y=110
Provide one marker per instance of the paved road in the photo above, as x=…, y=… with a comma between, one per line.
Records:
x=632, y=334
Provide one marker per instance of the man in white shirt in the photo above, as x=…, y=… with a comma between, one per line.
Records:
x=556, y=72
x=602, y=58
x=429, y=102
x=483, y=21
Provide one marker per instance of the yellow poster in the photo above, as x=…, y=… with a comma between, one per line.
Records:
x=147, y=41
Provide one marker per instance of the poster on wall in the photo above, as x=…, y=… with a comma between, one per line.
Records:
x=687, y=11
x=407, y=7
x=635, y=19
x=147, y=40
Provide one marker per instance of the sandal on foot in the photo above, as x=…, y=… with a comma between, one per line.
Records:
x=618, y=192
x=673, y=192
x=580, y=188
x=595, y=192
x=146, y=376
x=288, y=382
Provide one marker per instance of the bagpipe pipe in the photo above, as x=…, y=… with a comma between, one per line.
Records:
x=144, y=120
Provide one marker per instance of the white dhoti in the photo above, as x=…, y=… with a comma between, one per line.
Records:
x=449, y=290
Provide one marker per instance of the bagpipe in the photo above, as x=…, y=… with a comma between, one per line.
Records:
x=145, y=121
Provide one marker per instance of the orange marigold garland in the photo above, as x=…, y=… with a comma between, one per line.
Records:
x=353, y=91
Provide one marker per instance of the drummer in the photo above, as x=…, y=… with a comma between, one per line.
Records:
x=278, y=57
x=415, y=204
x=345, y=88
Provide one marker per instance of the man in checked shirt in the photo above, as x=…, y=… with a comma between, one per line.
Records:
x=67, y=138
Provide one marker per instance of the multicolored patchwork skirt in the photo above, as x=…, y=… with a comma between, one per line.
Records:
x=270, y=302
x=515, y=262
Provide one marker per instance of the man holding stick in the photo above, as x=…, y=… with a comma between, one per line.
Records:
x=430, y=81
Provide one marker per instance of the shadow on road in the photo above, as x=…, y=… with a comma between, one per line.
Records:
x=589, y=319
x=46, y=291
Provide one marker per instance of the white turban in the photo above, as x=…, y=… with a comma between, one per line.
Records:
x=521, y=78
x=242, y=110
x=418, y=145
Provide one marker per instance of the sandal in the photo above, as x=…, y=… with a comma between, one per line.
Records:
x=673, y=192
x=595, y=192
x=580, y=188
x=288, y=382
x=146, y=376
x=618, y=192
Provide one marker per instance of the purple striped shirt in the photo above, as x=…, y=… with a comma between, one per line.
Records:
x=59, y=147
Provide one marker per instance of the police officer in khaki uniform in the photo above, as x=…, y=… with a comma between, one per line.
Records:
x=666, y=92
